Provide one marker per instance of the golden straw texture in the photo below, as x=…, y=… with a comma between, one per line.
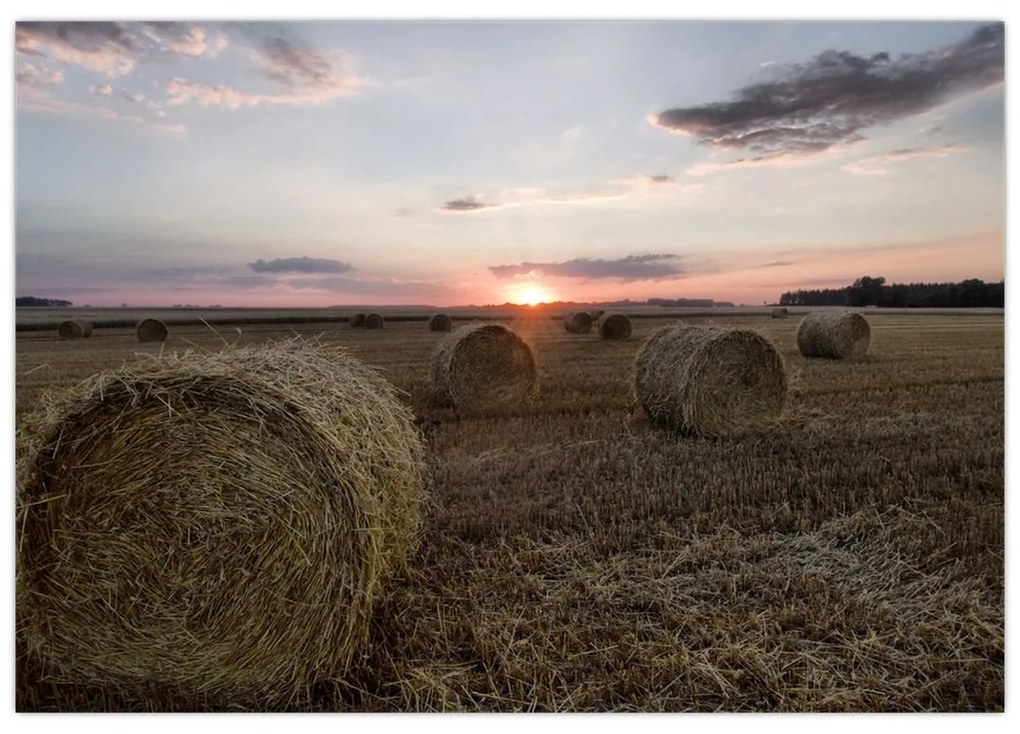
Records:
x=833, y=334
x=709, y=381
x=482, y=366
x=217, y=525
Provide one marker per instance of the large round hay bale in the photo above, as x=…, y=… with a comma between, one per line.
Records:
x=374, y=321
x=440, y=322
x=482, y=366
x=358, y=321
x=709, y=381
x=77, y=329
x=578, y=322
x=780, y=313
x=833, y=334
x=615, y=326
x=214, y=525
x=151, y=330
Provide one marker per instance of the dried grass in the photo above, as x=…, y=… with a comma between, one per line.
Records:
x=577, y=322
x=74, y=329
x=440, y=322
x=212, y=526
x=374, y=321
x=483, y=365
x=614, y=326
x=833, y=335
x=358, y=321
x=151, y=330
x=709, y=381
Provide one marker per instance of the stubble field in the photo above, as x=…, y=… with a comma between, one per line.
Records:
x=577, y=559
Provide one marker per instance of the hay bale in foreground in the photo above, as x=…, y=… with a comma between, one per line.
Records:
x=615, y=326
x=358, y=321
x=440, y=322
x=374, y=321
x=780, y=313
x=151, y=330
x=578, y=322
x=833, y=334
x=483, y=365
x=77, y=329
x=215, y=525
x=709, y=381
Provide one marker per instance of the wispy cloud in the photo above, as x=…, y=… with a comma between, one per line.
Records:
x=626, y=269
x=615, y=190
x=300, y=265
x=185, y=39
x=30, y=75
x=811, y=107
x=879, y=165
x=105, y=90
x=109, y=48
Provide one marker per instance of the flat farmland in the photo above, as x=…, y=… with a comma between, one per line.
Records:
x=848, y=558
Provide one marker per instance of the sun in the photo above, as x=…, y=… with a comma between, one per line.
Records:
x=532, y=296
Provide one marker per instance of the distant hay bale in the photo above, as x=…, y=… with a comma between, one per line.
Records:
x=440, y=322
x=77, y=329
x=213, y=525
x=614, y=326
x=833, y=334
x=483, y=365
x=358, y=321
x=709, y=381
x=151, y=330
x=780, y=313
x=374, y=321
x=578, y=322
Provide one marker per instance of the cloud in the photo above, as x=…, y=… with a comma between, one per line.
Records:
x=627, y=269
x=308, y=75
x=811, y=107
x=102, y=89
x=879, y=165
x=30, y=75
x=466, y=204
x=110, y=48
x=300, y=265
x=615, y=190
x=381, y=287
x=777, y=264
x=185, y=39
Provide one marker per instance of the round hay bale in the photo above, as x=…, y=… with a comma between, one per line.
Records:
x=483, y=365
x=709, y=381
x=440, y=322
x=151, y=330
x=833, y=334
x=780, y=313
x=615, y=326
x=358, y=321
x=596, y=315
x=578, y=322
x=74, y=329
x=214, y=525
x=374, y=321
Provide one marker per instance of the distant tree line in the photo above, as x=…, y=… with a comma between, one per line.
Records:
x=45, y=302
x=868, y=291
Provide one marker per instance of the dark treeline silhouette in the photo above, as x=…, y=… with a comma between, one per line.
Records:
x=868, y=291
x=46, y=302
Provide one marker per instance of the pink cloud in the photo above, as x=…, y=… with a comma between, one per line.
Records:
x=879, y=165
x=108, y=48
x=30, y=75
x=103, y=89
x=183, y=91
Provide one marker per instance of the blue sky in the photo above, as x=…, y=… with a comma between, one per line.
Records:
x=318, y=163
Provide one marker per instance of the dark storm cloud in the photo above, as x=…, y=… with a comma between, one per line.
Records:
x=300, y=265
x=631, y=268
x=813, y=106
x=467, y=204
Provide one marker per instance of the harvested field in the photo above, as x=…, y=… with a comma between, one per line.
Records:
x=848, y=558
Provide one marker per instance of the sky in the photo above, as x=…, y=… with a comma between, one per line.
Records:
x=312, y=163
